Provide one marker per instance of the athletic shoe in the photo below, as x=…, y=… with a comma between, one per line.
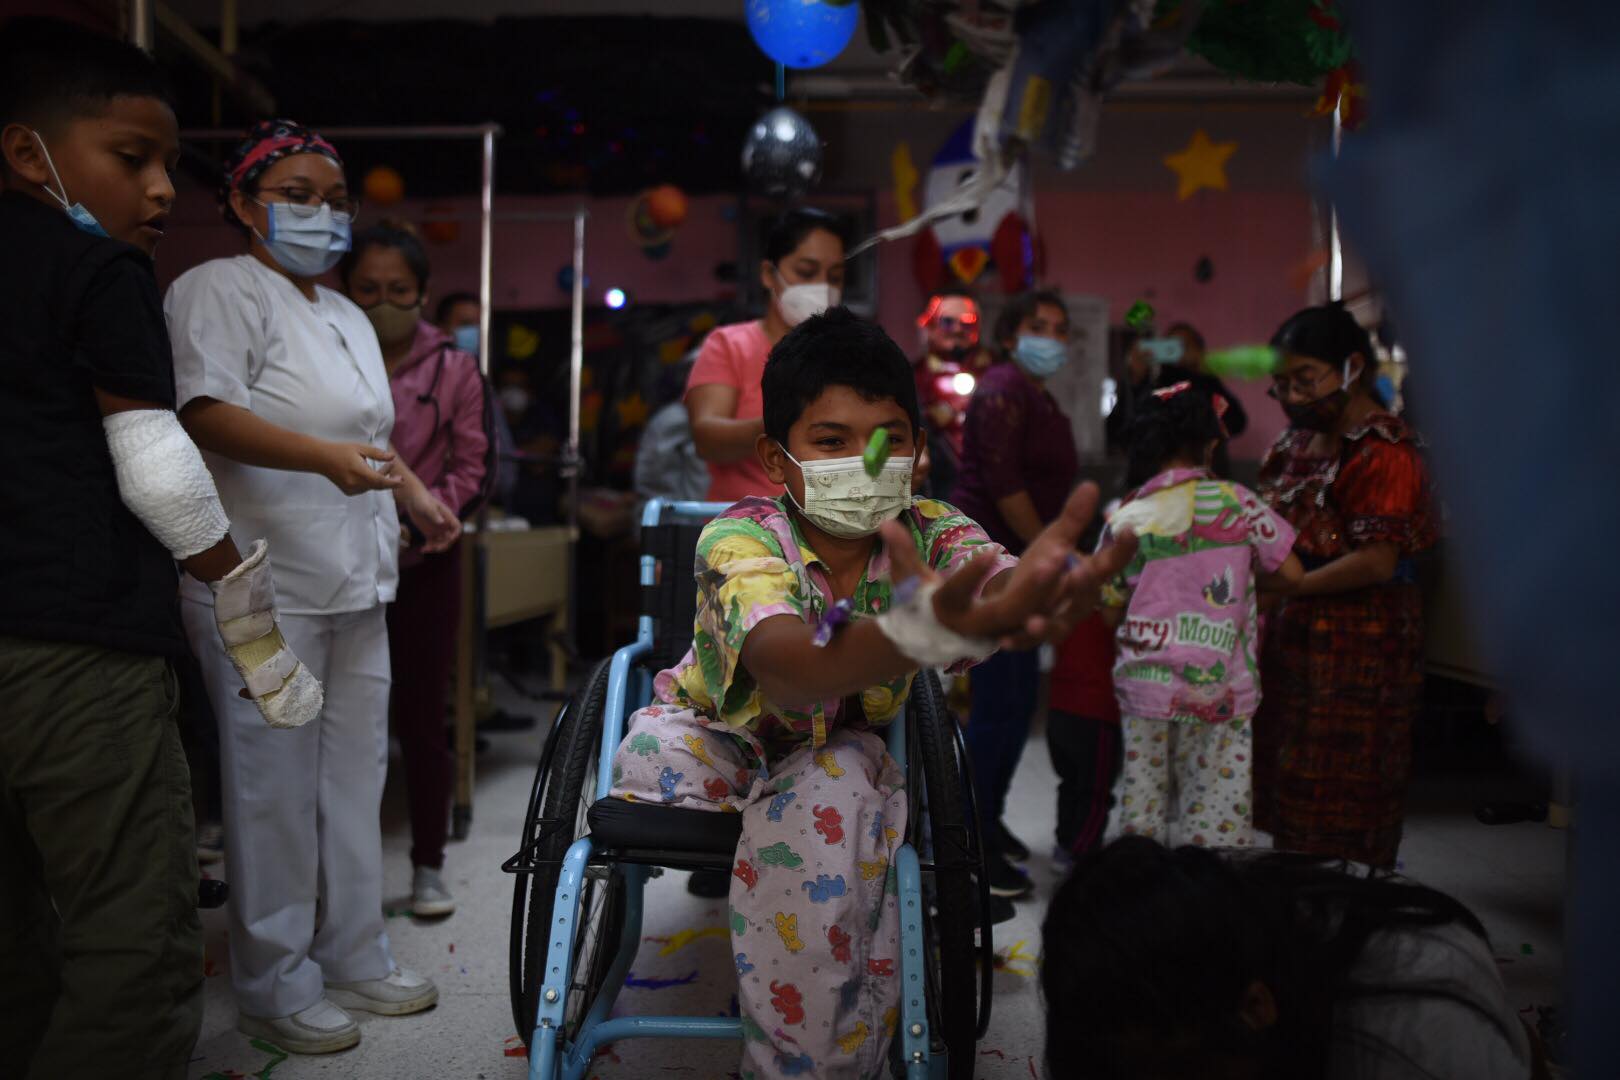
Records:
x=709, y=884
x=1010, y=846
x=323, y=1028
x=429, y=898
x=1006, y=879
x=400, y=993
x=210, y=842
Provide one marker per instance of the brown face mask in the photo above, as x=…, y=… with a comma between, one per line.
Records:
x=1324, y=413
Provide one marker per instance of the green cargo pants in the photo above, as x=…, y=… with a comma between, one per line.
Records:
x=100, y=944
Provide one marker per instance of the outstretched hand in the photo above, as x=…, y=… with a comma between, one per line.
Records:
x=1052, y=588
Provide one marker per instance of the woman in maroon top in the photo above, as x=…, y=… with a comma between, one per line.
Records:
x=1018, y=465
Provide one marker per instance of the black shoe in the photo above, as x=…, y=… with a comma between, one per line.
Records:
x=1001, y=910
x=709, y=884
x=1012, y=847
x=1006, y=879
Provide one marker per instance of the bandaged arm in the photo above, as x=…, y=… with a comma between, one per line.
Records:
x=163, y=481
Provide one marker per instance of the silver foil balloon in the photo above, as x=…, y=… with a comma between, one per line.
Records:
x=782, y=156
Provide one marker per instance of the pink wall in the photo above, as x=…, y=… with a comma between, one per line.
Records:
x=1119, y=244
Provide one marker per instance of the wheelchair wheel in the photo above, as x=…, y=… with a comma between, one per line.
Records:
x=564, y=788
x=956, y=893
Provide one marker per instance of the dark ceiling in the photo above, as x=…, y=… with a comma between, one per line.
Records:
x=606, y=105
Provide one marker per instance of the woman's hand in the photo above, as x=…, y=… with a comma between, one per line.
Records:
x=349, y=466
x=436, y=522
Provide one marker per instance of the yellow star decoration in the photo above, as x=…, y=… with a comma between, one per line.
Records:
x=1201, y=165
x=632, y=411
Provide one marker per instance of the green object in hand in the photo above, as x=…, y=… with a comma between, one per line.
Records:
x=1243, y=361
x=1140, y=315
x=876, y=453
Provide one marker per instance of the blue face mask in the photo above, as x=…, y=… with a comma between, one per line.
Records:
x=467, y=338
x=1040, y=356
x=81, y=217
x=306, y=241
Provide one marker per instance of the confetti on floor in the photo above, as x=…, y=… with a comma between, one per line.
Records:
x=515, y=1047
x=1014, y=960
x=684, y=938
x=661, y=984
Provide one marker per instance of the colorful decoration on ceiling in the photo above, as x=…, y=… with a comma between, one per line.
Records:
x=781, y=157
x=1293, y=41
x=905, y=174
x=383, y=186
x=652, y=218
x=802, y=33
x=1201, y=164
x=959, y=249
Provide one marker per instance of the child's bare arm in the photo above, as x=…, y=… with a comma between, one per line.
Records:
x=790, y=670
x=1285, y=579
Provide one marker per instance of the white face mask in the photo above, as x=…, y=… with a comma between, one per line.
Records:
x=842, y=500
x=799, y=302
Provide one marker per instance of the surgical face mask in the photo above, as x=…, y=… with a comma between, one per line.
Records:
x=515, y=400
x=77, y=212
x=1040, y=356
x=799, y=302
x=1324, y=413
x=392, y=322
x=306, y=241
x=842, y=500
x=466, y=338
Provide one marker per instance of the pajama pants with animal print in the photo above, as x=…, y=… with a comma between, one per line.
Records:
x=815, y=926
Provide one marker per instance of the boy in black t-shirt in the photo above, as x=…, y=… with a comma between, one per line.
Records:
x=100, y=493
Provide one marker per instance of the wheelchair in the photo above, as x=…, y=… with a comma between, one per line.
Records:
x=584, y=858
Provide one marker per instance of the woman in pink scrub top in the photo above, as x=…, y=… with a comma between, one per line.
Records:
x=803, y=270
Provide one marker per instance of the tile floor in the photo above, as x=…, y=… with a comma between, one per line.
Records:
x=1512, y=876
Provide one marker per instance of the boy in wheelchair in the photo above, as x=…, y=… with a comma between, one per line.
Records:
x=808, y=632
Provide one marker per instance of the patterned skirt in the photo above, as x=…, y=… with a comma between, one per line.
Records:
x=1342, y=682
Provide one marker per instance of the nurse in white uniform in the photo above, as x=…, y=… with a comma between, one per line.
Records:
x=281, y=382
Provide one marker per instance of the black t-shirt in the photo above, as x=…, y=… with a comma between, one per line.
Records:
x=76, y=312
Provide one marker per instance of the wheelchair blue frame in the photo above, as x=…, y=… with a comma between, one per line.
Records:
x=550, y=1061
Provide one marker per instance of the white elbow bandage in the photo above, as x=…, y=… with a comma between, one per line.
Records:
x=917, y=633
x=163, y=481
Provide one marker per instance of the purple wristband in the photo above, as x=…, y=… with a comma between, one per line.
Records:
x=831, y=622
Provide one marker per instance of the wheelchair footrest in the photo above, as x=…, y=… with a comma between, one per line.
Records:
x=680, y=835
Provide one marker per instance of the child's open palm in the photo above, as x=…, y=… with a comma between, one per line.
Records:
x=1051, y=589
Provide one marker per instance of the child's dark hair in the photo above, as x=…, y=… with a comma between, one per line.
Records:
x=838, y=348
x=448, y=301
x=1190, y=330
x=788, y=231
x=1330, y=334
x=387, y=233
x=1022, y=307
x=52, y=72
x=1149, y=953
x=1176, y=422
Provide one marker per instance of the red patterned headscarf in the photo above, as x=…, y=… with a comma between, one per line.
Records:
x=267, y=142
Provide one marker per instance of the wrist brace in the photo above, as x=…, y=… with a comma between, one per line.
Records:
x=917, y=633
x=245, y=612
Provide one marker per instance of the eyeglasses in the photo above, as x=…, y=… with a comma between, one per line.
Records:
x=1298, y=386
x=306, y=203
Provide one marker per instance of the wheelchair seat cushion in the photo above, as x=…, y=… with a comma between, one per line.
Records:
x=648, y=827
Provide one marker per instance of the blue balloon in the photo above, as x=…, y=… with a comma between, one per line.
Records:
x=802, y=33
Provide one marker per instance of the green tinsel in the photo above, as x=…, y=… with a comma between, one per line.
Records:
x=1267, y=40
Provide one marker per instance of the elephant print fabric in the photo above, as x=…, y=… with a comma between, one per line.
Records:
x=815, y=925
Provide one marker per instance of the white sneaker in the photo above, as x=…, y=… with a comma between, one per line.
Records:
x=402, y=992
x=429, y=897
x=323, y=1028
